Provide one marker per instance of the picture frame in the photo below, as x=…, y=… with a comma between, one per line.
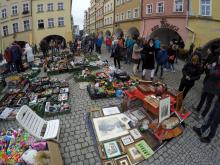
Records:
x=139, y=113
x=108, y=162
x=135, y=134
x=126, y=140
x=164, y=109
x=144, y=149
x=134, y=155
x=110, y=111
x=123, y=160
x=112, y=149
x=110, y=127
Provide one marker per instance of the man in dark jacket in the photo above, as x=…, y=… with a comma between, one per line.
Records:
x=212, y=84
x=117, y=54
x=16, y=54
x=191, y=73
x=207, y=95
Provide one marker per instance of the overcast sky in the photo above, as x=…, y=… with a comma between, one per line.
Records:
x=78, y=8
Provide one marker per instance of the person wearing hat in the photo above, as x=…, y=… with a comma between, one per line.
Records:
x=191, y=72
x=212, y=85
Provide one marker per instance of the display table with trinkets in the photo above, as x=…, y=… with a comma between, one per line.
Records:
x=141, y=126
x=45, y=96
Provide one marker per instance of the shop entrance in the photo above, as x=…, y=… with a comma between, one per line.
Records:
x=166, y=35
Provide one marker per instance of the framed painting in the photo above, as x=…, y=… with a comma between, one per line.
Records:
x=135, y=134
x=164, y=109
x=112, y=149
x=144, y=149
x=134, y=155
x=108, y=162
x=110, y=127
x=110, y=111
x=126, y=140
x=123, y=160
x=139, y=114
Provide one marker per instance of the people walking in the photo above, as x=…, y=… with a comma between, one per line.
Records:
x=129, y=44
x=207, y=95
x=117, y=54
x=30, y=56
x=171, y=56
x=161, y=60
x=8, y=58
x=99, y=44
x=148, y=58
x=191, y=72
x=108, y=43
x=16, y=54
x=136, y=55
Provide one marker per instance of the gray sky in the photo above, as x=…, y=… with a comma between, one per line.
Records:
x=78, y=8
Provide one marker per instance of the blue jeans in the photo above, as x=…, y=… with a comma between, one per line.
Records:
x=108, y=48
x=129, y=54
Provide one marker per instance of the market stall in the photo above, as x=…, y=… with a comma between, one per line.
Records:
x=19, y=147
x=45, y=96
x=150, y=115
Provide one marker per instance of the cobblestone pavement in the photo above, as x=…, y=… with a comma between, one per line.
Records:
x=77, y=145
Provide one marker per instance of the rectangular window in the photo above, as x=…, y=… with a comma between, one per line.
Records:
x=60, y=6
x=15, y=27
x=117, y=2
x=149, y=9
x=160, y=7
x=25, y=7
x=50, y=6
x=136, y=13
x=205, y=7
x=61, y=21
x=4, y=13
x=5, y=30
x=117, y=17
x=26, y=25
x=14, y=10
x=50, y=22
x=40, y=24
x=129, y=15
x=122, y=16
x=178, y=6
x=40, y=8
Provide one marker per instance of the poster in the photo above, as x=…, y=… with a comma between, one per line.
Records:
x=164, y=109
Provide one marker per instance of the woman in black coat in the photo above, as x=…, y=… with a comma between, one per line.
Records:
x=148, y=58
x=191, y=73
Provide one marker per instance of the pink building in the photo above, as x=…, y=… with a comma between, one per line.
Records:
x=165, y=19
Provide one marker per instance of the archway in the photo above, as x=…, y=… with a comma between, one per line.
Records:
x=21, y=43
x=212, y=45
x=166, y=35
x=119, y=32
x=107, y=33
x=57, y=38
x=133, y=32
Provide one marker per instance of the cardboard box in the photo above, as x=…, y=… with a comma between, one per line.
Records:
x=56, y=158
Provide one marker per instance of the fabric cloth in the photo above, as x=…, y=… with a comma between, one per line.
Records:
x=28, y=51
x=149, y=57
x=136, y=52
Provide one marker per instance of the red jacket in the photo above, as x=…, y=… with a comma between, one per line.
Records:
x=7, y=55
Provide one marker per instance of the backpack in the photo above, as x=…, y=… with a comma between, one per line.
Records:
x=7, y=55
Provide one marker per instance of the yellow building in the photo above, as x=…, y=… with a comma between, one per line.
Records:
x=108, y=16
x=92, y=16
x=204, y=23
x=51, y=20
x=15, y=22
x=127, y=15
x=99, y=15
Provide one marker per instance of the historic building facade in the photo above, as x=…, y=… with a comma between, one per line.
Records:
x=127, y=15
x=108, y=16
x=204, y=22
x=15, y=22
x=99, y=16
x=92, y=16
x=166, y=20
x=51, y=20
